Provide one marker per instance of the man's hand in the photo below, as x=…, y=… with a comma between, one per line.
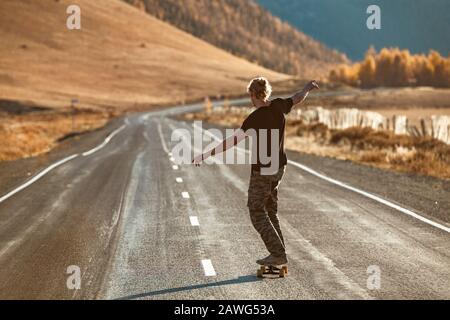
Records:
x=312, y=85
x=299, y=97
x=198, y=160
x=226, y=144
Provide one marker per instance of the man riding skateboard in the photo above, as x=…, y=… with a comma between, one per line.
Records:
x=266, y=126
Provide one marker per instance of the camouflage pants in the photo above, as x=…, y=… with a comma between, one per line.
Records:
x=263, y=207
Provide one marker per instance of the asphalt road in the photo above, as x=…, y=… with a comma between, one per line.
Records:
x=140, y=228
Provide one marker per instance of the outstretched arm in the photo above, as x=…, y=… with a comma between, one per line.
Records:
x=226, y=144
x=300, y=96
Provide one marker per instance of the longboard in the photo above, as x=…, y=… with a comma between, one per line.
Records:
x=280, y=271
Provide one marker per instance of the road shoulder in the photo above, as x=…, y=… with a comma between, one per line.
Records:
x=14, y=173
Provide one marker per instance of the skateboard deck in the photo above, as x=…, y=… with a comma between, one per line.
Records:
x=280, y=271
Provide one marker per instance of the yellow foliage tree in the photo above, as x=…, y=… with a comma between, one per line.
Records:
x=392, y=67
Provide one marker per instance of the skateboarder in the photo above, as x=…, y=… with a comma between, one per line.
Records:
x=269, y=119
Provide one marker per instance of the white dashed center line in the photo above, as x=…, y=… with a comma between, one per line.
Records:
x=175, y=167
x=172, y=159
x=179, y=180
x=185, y=195
x=208, y=268
x=194, y=221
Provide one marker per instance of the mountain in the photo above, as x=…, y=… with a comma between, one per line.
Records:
x=245, y=29
x=121, y=57
x=417, y=25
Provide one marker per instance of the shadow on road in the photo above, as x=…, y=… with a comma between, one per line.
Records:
x=243, y=279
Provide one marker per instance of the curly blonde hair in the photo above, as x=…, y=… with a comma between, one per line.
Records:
x=260, y=87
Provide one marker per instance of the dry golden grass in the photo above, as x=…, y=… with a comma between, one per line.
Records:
x=383, y=149
x=36, y=133
x=122, y=57
x=423, y=155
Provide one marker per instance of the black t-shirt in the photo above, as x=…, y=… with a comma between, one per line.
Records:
x=263, y=121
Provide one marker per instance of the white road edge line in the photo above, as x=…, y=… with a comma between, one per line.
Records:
x=179, y=180
x=371, y=196
x=361, y=192
x=208, y=268
x=107, y=140
x=194, y=221
x=57, y=164
x=37, y=177
x=185, y=195
x=162, y=140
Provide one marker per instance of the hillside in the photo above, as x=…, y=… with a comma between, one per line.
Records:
x=418, y=25
x=247, y=30
x=122, y=57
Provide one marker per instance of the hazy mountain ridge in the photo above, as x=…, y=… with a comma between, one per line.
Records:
x=247, y=30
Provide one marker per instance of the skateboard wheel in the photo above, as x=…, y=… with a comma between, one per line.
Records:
x=259, y=273
x=282, y=273
x=285, y=268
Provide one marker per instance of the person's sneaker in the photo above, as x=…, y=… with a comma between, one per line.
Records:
x=273, y=261
x=261, y=261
